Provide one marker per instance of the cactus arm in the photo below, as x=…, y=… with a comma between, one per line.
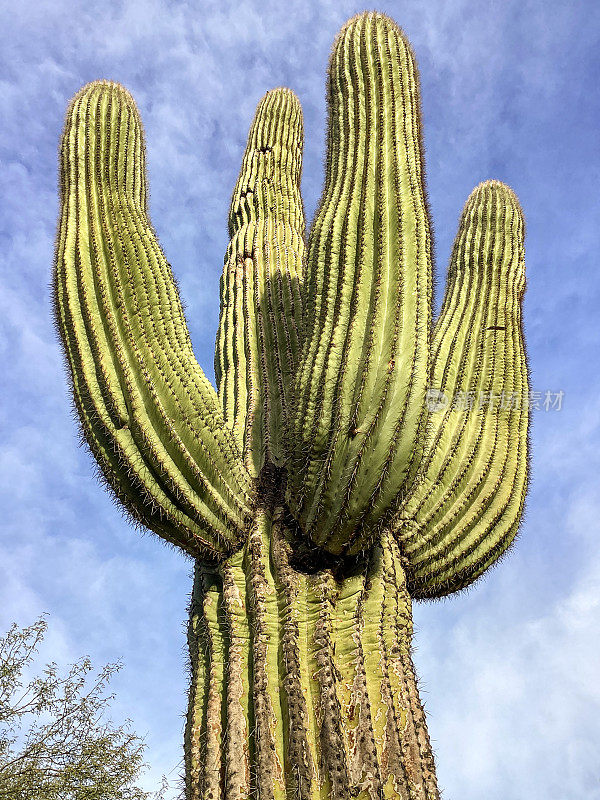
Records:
x=147, y=411
x=259, y=330
x=465, y=509
x=361, y=382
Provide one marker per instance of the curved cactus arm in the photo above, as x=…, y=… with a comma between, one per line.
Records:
x=148, y=412
x=261, y=312
x=363, y=374
x=465, y=509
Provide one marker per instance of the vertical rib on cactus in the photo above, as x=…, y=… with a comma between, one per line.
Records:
x=314, y=490
x=261, y=307
x=326, y=704
x=148, y=413
x=464, y=511
x=364, y=367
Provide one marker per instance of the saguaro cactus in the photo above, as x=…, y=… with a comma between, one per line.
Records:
x=318, y=489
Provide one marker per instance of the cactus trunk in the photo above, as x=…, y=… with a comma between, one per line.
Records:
x=316, y=488
x=302, y=680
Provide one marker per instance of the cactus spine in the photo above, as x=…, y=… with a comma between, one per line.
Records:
x=315, y=490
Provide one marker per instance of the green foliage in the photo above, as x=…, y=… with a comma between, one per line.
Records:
x=55, y=740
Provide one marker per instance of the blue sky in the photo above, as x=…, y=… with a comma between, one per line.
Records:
x=509, y=670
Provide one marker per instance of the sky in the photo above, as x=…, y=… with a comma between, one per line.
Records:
x=509, y=669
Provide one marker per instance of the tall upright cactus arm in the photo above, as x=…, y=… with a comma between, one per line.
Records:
x=360, y=413
x=465, y=507
x=149, y=414
x=258, y=340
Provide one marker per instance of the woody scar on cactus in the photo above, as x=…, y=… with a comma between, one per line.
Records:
x=315, y=489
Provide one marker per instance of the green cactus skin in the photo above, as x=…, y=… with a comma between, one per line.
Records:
x=316, y=490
